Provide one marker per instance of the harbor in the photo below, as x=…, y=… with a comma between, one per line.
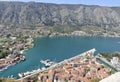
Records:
x=90, y=52
x=84, y=66
x=47, y=63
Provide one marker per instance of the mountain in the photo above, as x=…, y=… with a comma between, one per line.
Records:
x=47, y=14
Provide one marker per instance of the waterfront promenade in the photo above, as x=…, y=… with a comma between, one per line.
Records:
x=78, y=56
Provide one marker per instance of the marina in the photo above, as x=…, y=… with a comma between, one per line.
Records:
x=34, y=72
x=47, y=64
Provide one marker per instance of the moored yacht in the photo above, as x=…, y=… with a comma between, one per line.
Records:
x=47, y=62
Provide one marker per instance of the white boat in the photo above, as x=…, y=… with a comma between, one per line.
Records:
x=43, y=68
x=24, y=74
x=47, y=62
x=28, y=73
x=20, y=75
x=44, y=61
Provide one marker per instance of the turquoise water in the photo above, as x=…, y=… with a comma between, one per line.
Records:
x=60, y=48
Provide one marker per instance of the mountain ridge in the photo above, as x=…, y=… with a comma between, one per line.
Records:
x=50, y=14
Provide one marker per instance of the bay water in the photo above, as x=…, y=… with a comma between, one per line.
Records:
x=59, y=48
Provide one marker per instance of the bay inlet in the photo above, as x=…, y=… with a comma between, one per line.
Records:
x=58, y=49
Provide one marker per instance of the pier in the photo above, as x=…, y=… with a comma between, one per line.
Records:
x=90, y=52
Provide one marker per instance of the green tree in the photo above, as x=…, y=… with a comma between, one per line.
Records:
x=4, y=53
x=1, y=80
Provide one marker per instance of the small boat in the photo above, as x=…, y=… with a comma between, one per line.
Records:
x=28, y=73
x=24, y=74
x=44, y=61
x=20, y=74
x=43, y=68
x=47, y=62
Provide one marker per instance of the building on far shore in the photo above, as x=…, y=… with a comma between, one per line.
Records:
x=113, y=78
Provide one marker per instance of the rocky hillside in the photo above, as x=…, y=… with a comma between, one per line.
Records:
x=31, y=13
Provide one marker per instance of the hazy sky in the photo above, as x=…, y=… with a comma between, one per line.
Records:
x=88, y=2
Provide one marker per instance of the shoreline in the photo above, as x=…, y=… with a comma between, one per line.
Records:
x=12, y=64
x=57, y=34
x=15, y=60
x=54, y=36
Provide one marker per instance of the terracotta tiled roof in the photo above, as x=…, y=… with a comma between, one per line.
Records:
x=51, y=72
x=67, y=67
x=48, y=80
